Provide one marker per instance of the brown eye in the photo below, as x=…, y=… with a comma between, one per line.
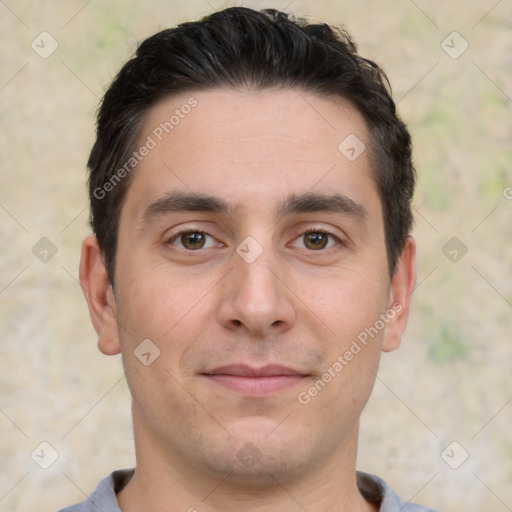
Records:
x=192, y=240
x=316, y=240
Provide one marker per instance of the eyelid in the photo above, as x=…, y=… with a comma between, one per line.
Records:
x=313, y=228
x=186, y=227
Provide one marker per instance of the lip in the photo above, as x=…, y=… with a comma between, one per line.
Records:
x=255, y=381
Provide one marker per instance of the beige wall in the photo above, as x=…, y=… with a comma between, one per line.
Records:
x=450, y=381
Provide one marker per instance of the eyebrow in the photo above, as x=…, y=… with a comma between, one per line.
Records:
x=294, y=204
x=315, y=202
x=182, y=202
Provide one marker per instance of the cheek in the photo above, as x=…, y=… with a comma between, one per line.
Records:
x=346, y=301
x=341, y=391
x=172, y=313
x=349, y=305
x=162, y=306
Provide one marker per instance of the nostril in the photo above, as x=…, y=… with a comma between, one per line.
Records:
x=277, y=323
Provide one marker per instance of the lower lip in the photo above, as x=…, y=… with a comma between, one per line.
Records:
x=257, y=386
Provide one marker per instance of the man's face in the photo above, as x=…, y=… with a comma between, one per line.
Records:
x=251, y=252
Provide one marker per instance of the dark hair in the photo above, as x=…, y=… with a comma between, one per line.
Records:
x=243, y=48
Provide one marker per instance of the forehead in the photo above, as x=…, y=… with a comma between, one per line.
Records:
x=249, y=146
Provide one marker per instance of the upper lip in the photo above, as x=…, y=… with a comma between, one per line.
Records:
x=242, y=370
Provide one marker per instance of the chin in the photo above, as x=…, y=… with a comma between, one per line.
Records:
x=252, y=468
x=258, y=456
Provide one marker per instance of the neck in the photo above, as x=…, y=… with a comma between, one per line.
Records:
x=163, y=482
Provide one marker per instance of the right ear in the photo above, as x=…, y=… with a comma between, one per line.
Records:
x=99, y=295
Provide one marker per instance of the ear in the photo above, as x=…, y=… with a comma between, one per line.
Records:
x=99, y=295
x=402, y=286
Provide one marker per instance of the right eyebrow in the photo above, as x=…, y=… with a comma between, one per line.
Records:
x=182, y=202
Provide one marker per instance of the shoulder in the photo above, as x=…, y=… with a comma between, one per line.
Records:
x=377, y=491
x=104, y=497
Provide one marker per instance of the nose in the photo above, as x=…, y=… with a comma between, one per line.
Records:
x=256, y=298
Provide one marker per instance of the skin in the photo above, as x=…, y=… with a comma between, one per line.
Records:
x=295, y=305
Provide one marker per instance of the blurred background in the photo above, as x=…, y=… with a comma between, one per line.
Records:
x=438, y=425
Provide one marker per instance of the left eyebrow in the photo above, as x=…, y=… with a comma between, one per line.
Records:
x=315, y=202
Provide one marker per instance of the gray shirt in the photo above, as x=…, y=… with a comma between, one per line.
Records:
x=371, y=487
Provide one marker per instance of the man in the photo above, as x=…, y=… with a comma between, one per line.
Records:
x=250, y=193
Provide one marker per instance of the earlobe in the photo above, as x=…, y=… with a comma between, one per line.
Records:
x=99, y=295
x=402, y=286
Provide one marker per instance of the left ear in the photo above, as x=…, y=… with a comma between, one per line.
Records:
x=402, y=286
